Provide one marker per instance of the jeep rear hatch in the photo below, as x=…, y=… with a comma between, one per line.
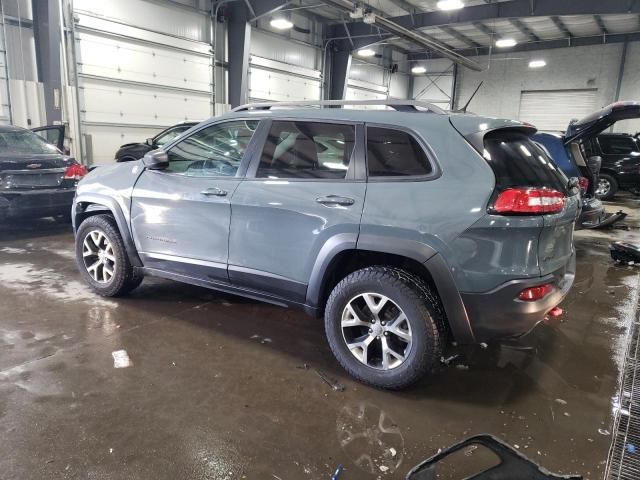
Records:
x=528, y=184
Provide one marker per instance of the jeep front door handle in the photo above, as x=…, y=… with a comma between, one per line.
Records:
x=214, y=192
x=334, y=200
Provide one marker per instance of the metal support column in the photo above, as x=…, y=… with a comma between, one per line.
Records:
x=46, y=32
x=339, y=74
x=623, y=61
x=239, y=33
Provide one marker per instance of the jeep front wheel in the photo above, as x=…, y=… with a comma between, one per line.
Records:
x=382, y=326
x=102, y=258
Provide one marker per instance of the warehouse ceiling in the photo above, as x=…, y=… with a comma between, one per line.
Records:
x=474, y=29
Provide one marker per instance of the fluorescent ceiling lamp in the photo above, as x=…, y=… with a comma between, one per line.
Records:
x=450, y=4
x=418, y=69
x=281, y=23
x=537, y=63
x=506, y=43
x=366, y=52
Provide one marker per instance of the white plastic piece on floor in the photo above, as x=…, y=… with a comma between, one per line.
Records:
x=121, y=359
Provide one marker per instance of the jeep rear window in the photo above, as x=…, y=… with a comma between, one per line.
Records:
x=517, y=161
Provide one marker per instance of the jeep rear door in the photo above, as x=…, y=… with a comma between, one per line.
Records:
x=304, y=190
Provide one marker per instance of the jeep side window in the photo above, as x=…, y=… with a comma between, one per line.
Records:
x=170, y=135
x=214, y=151
x=394, y=153
x=307, y=150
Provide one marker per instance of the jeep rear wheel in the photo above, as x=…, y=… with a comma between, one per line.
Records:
x=102, y=258
x=382, y=326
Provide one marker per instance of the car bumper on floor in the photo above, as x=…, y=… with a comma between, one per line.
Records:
x=36, y=203
x=499, y=314
x=592, y=214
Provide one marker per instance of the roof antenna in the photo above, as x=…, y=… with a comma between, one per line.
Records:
x=464, y=109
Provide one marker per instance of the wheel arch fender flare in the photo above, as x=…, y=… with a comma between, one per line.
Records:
x=94, y=203
x=422, y=253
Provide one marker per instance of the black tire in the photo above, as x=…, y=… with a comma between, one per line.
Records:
x=125, y=277
x=613, y=186
x=424, y=316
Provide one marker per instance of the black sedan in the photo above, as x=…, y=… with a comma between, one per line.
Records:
x=135, y=151
x=36, y=178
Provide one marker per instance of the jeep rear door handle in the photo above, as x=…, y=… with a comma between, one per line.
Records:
x=332, y=200
x=214, y=192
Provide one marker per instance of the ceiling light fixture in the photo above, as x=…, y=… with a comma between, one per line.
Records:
x=506, y=43
x=418, y=69
x=450, y=4
x=537, y=63
x=281, y=23
x=366, y=52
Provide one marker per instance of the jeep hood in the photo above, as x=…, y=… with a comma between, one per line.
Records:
x=599, y=121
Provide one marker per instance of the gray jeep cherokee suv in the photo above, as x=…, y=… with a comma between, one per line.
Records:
x=405, y=228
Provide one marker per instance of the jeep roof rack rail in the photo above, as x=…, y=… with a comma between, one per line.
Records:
x=399, y=105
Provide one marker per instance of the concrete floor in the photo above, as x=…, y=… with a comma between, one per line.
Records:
x=222, y=387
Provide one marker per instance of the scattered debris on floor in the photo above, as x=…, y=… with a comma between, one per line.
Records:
x=335, y=386
x=262, y=339
x=121, y=359
x=622, y=252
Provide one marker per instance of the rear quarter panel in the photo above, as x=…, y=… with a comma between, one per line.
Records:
x=432, y=212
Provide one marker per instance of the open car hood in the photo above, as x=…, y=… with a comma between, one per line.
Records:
x=601, y=120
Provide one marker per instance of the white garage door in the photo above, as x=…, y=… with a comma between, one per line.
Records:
x=554, y=109
x=134, y=82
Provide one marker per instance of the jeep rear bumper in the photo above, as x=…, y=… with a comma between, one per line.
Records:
x=499, y=313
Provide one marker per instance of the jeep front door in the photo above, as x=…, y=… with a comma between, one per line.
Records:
x=180, y=215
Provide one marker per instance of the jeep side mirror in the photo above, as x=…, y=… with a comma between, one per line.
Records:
x=156, y=160
x=149, y=141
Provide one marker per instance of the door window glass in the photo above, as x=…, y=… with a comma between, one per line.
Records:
x=307, y=150
x=394, y=153
x=617, y=145
x=214, y=151
x=170, y=136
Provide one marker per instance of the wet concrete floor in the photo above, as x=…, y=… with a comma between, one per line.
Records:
x=222, y=387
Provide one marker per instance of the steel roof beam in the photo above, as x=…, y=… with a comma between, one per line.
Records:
x=506, y=10
x=524, y=29
x=460, y=36
x=562, y=27
x=542, y=45
x=601, y=26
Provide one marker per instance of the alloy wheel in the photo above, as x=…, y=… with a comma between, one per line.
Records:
x=98, y=256
x=376, y=331
x=604, y=186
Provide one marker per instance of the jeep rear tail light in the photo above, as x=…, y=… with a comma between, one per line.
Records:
x=75, y=172
x=528, y=201
x=532, y=294
x=583, y=183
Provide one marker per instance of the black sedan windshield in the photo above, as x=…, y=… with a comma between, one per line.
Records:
x=24, y=142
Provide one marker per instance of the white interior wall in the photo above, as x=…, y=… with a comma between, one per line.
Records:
x=506, y=75
x=630, y=88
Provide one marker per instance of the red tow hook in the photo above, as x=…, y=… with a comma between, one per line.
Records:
x=553, y=315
